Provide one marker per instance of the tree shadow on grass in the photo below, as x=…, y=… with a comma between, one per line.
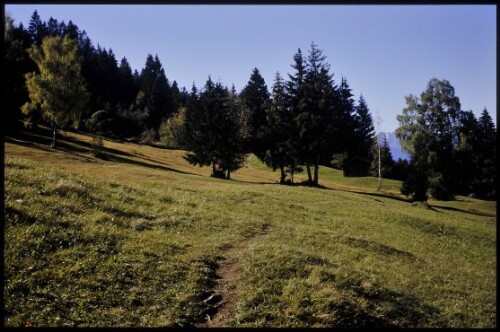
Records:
x=115, y=158
x=40, y=140
x=474, y=212
x=386, y=308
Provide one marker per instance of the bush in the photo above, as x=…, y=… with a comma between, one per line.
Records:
x=416, y=184
x=97, y=146
x=438, y=187
x=171, y=131
x=148, y=136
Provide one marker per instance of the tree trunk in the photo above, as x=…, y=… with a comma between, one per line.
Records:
x=309, y=176
x=213, y=169
x=316, y=172
x=379, y=169
x=54, y=134
x=228, y=174
x=283, y=175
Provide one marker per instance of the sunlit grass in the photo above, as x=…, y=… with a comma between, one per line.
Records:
x=135, y=242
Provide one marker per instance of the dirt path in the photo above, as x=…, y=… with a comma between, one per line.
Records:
x=226, y=294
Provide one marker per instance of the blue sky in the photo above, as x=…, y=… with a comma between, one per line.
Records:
x=385, y=52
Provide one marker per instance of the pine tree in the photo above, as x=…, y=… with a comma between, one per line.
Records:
x=17, y=64
x=156, y=90
x=72, y=31
x=295, y=83
x=487, y=156
x=294, y=91
x=53, y=27
x=315, y=118
x=278, y=131
x=36, y=29
x=466, y=154
x=254, y=97
x=363, y=133
x=213, y=130
x=128, y=88
x=59, y=89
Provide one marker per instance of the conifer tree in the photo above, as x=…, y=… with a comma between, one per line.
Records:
x=466, y=154
x=487, y=156
x=363, y=133
x=213, y=130
x=17, y=64
x=37, y=29
x=278, y=131
x=128, y=88
x=294, y=90
x=254, y=97
x=315, y=119
x=156, y=90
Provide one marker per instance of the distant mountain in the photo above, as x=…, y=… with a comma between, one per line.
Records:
x=396, y=150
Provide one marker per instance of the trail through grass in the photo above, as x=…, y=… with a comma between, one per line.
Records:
x=141, y=238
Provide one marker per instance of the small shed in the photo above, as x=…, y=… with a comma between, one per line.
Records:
x=356, y=166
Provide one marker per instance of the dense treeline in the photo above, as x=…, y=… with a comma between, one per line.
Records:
x=304, y=121
x=451, y=151
x=300, y=123
x=121, y=103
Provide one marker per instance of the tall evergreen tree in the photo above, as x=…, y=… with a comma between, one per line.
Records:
x=487, y=156
x=37, y=29
x=295, y=82
x=128, y=88
x=315, y=113
x=72, y=31
x=466, y=156
x=53, y=27
x=156, y=90
x=278, y=131
x=213, y=130
x=17, y=64
x=294, y=90
x=363, y=137
x=254, y=97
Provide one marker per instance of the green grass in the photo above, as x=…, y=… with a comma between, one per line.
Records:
x=94, y=243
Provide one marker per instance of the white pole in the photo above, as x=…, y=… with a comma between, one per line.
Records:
x=378, y=144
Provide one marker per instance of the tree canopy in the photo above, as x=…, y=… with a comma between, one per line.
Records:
x=59, y=89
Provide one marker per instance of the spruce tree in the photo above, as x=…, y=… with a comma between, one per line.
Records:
x=254, y=97
x=156, y=88
x=213, y=130
x=363, y=137
x=37, y=29
x=294, y=91
x=315, y=118
x=466, y=170
x=17, y=64
x=127, y=88
x=278, y=131
x=487, y=156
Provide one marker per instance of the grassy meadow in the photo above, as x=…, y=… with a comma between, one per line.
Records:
x=140, y=238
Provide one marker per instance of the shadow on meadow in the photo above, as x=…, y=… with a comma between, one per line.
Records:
x=40, y=138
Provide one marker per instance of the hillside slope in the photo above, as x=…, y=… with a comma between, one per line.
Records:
x=142, y=238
